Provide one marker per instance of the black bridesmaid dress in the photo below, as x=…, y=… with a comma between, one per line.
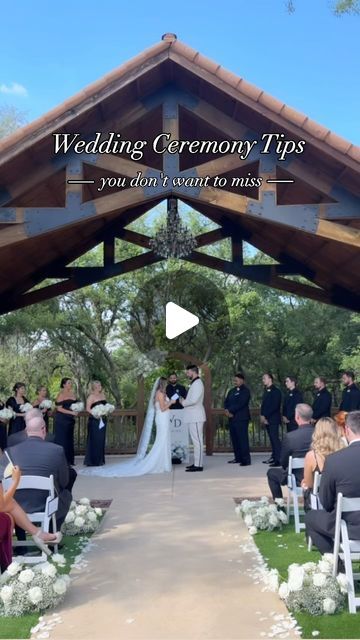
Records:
x=3, y=427
x=64, y=424
x=95, y=445
x=18, y=423
x=45, y=415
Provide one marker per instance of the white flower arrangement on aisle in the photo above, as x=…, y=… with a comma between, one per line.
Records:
x=102, y=410
x=261, y=515
x=24, y=408
x=24, y=590
x=46, y=404
x=179, y=451
x=77, y=407
x=81, y=518
x=311, y=587
x=6, y=414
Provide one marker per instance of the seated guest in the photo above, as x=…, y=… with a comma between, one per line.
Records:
x=296, y=444
x=20, y=436
x=340, y=421
x=10, y=506
x=37, y=457
x=325, y=440
x=340, y=474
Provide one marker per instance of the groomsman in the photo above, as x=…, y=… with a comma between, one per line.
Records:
x=292, y=398
x=237, y=410
x=195, y=415
x=350, y=400
x=270, y=416
x=322, y=402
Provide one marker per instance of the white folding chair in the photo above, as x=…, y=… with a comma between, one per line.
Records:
x=347, y=550
x=294, y=493
x=43, y=518
x=314, y=499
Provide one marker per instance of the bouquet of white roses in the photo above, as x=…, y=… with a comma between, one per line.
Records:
x=77, y=406
x=24, y=408
x=6, y=414
x=311, y=587
x=178, y=451
x=261, y=515
x=46, y=404
x=102, y=410
x=24, y=590
x=81, y=518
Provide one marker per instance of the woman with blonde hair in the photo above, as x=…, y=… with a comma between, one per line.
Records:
x=325, y=440
x=95, y=444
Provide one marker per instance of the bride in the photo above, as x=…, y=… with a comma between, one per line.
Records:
x=158, y=460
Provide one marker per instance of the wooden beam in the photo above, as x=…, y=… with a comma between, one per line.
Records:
x=221, y=165
x=119, y=165
x=109, y=251
x=124, y=199
x=218, y=120
x=338, y=232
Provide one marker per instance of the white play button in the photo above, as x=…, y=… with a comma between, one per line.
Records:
x=178, y=320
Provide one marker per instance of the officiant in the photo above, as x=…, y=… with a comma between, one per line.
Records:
x=174, y=387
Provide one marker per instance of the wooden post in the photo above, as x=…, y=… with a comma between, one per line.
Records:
x=209, y=436
x=140, y=415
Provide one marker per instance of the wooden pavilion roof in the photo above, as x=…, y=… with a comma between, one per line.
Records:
x=311, y=228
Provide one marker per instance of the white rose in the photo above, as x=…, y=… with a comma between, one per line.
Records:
x=319, y=579
x=66, y=578
x=280, y=502
x=329, y=605
x=58, y=558
x=272, y=580
x=13, y=568
x=325, y=567
x=296, y=577
x=91, y=516
x=282, y=517
x=248, y=521
x=328, y=557
x=284, y=590
x=264, y=499
x=6, y=593
x=26, y=576
x=79, y=522
x=84, y=501
x=252, y=530
x=309, y=567
x=80, y=510
x=342, y=582
x=35, y=595
x=60, y=586
x=70, y=517
x=72, y=504
x=49, y=570
x=273, y=520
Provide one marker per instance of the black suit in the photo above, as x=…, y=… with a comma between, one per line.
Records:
x=350, y=400
x=171, y=389
x=37, y=457
x=322, y=404
x=340, y=475
x=292, y=398
x=270, y=408
x=237, y=403
x=296, y=444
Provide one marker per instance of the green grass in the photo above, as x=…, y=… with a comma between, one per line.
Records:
x=341, y=625
x=20, y=627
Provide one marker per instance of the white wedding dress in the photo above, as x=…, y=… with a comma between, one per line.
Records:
x=158, y=460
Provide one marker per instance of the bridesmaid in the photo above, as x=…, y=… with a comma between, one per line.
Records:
x=17, y=423
x=3, y=425
x=42, y=394
x=95, y=445
x=64, y=421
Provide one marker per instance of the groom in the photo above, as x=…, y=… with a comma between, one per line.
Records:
x=195, y=415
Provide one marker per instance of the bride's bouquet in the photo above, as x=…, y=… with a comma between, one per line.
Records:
x=24, y=408
x=46, y=404
x=6, y=414
x=102, y=410
x=77, y=406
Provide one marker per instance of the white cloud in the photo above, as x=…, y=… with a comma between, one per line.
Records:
x=14, y=89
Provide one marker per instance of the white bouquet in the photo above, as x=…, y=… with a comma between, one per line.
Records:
x=24, y=590
x=77, y=406
x=81, y=518
x=311, y=587
x=6, y=414
x=46, y=404
x=24, y=408
x=262, y=515
x=102, y=410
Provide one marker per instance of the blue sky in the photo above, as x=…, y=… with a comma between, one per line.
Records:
x=309, y=59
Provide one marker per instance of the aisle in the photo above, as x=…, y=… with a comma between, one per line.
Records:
x=167, y=564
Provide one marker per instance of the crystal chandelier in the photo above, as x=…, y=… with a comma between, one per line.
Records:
x=173, y=240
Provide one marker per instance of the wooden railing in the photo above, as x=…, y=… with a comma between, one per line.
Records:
x=124, y=428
